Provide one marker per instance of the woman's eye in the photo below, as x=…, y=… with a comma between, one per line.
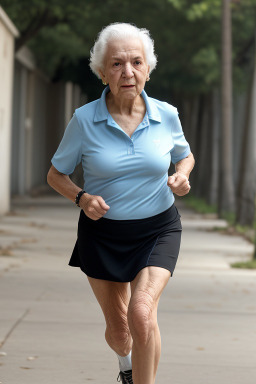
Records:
x=116, y=64
x=137, y=62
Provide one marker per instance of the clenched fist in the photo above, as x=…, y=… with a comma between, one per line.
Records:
x=179, y=184
x=93, y=206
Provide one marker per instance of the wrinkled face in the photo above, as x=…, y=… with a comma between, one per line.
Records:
x=126, y=69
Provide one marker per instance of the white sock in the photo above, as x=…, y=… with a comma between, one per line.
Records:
x=125, y=362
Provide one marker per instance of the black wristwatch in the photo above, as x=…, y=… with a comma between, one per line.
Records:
x=78, y=197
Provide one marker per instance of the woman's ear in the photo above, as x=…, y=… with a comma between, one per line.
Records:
x=103, y=77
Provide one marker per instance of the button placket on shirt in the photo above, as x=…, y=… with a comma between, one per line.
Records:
x=131, y=150
x=131, y=147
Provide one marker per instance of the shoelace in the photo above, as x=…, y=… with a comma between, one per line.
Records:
x=126, y=377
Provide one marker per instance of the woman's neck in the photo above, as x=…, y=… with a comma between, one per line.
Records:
x=124, y=106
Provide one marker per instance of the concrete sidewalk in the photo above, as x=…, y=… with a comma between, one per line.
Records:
x=52, y=329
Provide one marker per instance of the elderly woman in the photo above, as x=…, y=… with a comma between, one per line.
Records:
x=129, y=229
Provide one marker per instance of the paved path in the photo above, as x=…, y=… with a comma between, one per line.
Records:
x=51, y=327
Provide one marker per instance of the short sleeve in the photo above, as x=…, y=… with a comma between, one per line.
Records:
x=69, y=152
x=181, y=147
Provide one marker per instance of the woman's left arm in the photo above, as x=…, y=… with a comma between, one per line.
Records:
x=179, y=181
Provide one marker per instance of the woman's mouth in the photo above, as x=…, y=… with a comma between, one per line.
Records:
x=128, y=86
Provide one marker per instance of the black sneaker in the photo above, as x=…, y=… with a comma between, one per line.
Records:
x=125, y=376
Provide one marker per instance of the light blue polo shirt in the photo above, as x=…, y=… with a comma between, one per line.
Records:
x=130, y=173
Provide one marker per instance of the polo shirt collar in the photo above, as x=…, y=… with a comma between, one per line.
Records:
x=101, y=112
x=152, y=110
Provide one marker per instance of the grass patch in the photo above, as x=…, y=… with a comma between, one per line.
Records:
x=230, y=217
x=199, y=204
x=249, y=233
x=245, y=265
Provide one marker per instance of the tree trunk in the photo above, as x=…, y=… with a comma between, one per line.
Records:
x=193, y=122
x=226, y=197
x=247, y=176
x=197, y=147
x=215, y=139
x=204, y=162
x=193, y=135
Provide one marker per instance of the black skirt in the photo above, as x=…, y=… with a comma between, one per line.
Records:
x=117, y=250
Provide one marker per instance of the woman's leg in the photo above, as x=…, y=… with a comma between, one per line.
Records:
x=146, y=289
x=114, y=299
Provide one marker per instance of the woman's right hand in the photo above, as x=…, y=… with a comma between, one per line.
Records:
x=93, y=206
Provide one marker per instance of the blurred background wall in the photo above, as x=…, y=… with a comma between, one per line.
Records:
x=8, y=32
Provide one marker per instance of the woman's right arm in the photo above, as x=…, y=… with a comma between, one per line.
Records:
x=94, y=206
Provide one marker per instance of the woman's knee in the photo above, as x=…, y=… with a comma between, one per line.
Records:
x=142, y=318
x=119, y=338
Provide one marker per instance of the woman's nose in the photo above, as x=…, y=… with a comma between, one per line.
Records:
x=127, y=70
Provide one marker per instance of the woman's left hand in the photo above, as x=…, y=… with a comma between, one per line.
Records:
x=179, y=184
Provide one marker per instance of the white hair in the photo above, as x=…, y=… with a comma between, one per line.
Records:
x=117, y=31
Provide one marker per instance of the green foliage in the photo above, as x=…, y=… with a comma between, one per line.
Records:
x=206, y=63
x=243, y=39
x=204, y=9
x=195, y=10
x=61, y=47
x=186, y=33
x=199, y=204
x=245, y=265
